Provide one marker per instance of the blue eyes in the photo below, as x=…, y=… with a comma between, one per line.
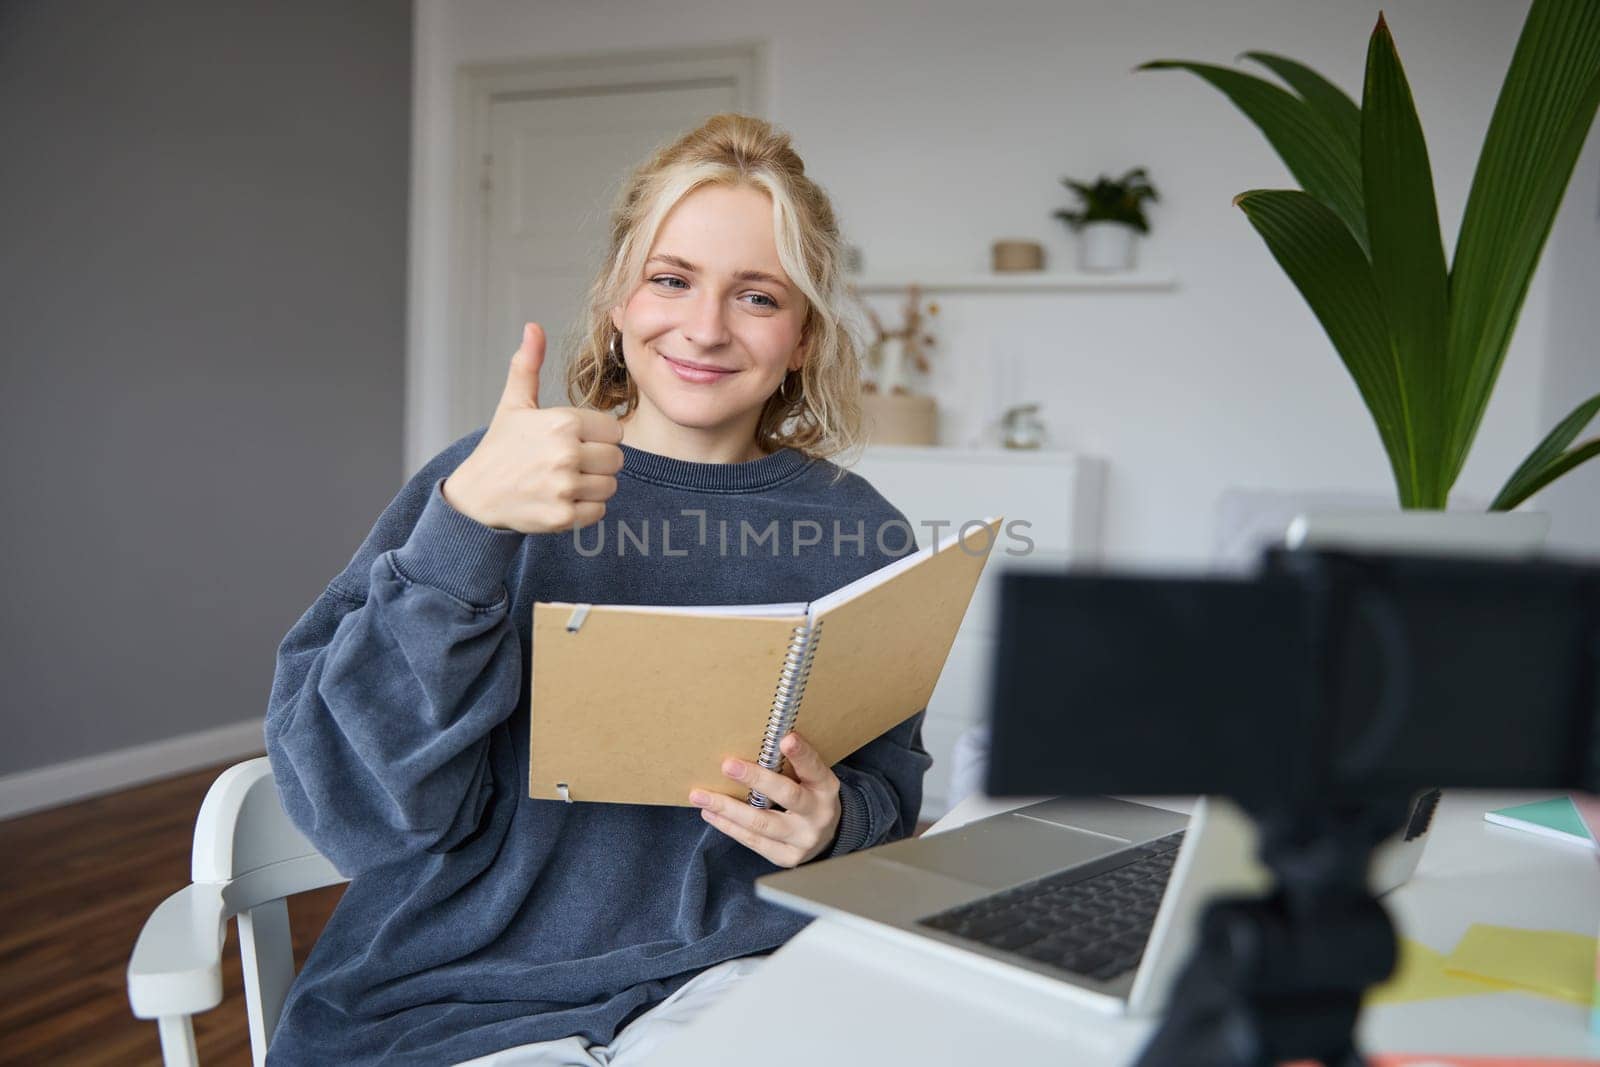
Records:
x=663, y=279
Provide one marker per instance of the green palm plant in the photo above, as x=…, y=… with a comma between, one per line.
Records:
x=1424, y=342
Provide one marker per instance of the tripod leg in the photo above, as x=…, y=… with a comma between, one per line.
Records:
x=1207, y=1024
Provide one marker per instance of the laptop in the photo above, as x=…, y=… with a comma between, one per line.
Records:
x=1119, y=885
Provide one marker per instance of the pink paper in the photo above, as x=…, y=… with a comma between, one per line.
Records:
x=1589, y=811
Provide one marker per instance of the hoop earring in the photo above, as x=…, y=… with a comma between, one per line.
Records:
x=614, y=350
x=783, y=389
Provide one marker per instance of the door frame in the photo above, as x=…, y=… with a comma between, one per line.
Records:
x=743, y=65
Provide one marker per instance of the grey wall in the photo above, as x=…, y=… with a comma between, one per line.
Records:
x=203, y=213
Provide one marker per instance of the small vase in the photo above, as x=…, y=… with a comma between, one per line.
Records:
x=1021, y=427
x=1106, y=246
x=891, y=372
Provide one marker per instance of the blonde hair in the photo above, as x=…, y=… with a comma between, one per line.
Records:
x=823, y=417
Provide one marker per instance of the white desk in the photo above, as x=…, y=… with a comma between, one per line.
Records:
x=837, y=994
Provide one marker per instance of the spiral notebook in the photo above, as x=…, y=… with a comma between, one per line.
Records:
x=1557, y=819
x=640, y=704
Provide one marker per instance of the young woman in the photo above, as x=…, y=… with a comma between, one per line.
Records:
x=712, y=381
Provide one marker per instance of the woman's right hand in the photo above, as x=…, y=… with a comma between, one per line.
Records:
x=538, y=470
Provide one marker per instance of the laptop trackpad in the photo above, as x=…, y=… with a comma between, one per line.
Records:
x=1001, y=852
x=1135, y=823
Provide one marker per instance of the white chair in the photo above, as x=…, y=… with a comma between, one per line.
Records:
x=247, y=858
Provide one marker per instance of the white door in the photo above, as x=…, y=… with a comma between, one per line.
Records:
x=556, y=162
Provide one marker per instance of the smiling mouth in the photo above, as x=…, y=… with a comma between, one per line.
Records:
x=697, y=368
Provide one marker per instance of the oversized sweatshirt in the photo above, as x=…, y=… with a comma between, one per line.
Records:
x=477, y=918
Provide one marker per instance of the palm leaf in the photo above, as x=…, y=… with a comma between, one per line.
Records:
x=1407, y=255
x=1509, y=498
x=1321, y=257
x=1540, y=122
x=1340, y=112
x=1549, y=461
x=1315, y=153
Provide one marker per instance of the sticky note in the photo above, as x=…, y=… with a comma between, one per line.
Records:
x=1419, y=974
x=1594, y=1002
x=1551, y=963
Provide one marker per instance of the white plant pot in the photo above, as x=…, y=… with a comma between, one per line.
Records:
x=1446, y=533
x=1106, y=246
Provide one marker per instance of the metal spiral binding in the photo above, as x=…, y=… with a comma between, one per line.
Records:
x=786, y=701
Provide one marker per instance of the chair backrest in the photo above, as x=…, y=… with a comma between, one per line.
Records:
x=245, y=843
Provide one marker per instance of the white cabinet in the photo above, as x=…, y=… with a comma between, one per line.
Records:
x=1051, y=502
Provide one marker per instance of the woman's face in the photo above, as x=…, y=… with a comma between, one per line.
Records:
x=715, y=323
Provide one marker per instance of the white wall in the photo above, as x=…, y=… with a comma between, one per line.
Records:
x=1572, y=370
x=940, y=126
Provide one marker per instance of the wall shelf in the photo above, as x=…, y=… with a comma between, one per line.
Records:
x=941, y=457
x=1020, y=282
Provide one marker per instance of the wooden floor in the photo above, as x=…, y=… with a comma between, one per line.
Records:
x=76, y=884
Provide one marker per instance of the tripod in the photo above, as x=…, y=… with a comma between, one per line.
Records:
x=1318, y=694
x=1281, y=977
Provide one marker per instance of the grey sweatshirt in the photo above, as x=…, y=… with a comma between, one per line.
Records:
x=477, y=918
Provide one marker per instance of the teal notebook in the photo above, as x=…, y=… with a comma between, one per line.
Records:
x=1556, y=818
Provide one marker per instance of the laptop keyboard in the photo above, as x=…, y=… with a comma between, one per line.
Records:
x=1091, y=920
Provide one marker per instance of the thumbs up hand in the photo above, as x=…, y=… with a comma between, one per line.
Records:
x=538, y=470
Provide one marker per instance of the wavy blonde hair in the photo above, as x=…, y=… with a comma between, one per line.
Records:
x=821, y=418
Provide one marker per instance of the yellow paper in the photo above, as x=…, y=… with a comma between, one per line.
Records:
x=1420, y=975
x=1551, y=963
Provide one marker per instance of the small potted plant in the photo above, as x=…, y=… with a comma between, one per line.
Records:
x=1110, y=213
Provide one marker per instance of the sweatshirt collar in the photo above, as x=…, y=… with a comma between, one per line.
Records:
x=713, y=477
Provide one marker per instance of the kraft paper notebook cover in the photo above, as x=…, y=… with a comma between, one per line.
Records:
x=639, y=705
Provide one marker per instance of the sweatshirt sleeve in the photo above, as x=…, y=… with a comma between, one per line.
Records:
x=880, y=788
x=387, y=688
